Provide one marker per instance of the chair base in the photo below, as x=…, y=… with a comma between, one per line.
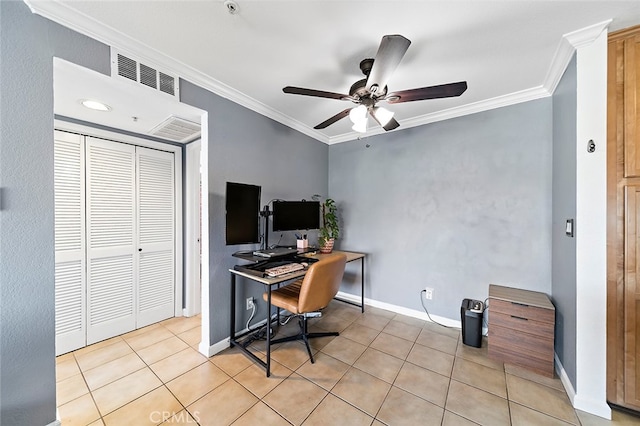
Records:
x=305, y=336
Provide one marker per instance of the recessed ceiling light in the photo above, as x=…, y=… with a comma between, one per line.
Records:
x=95, y=105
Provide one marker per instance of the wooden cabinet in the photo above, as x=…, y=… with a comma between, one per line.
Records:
x=623, y=219
x=631, y=87
x=521, y=328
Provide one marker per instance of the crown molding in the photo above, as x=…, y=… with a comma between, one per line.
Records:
x=61, y=13
x=569, y=43
x=489, y=104
x=587, y=35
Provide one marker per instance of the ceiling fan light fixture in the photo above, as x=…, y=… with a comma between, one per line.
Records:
x=358, y=114
x=383, y=115
x=361, y=126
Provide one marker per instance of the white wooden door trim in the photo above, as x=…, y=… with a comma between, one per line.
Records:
x=192, y=244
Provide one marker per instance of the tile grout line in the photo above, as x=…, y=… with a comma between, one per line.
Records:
x=458, y=356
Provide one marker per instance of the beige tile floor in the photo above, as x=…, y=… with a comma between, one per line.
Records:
x=382, y=369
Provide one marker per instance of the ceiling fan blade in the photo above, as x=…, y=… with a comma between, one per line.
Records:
x=391, y=124
x=316, y=93
x=390, y=53
x=432, y=92
x=330, y=121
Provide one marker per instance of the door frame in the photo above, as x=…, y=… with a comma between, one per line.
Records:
x=193, y=234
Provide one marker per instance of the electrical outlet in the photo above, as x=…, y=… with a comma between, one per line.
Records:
x=249, y=303
x=428, y=293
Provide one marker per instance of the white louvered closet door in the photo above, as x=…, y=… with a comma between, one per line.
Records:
x=111, y=239
x=156, y=229
x=70, y=279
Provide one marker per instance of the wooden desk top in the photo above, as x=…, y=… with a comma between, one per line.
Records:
x=351, y=256
x=516, y=295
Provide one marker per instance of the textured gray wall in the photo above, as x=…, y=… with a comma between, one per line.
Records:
x=249, y=148
x=454, y=205
x=564, y=207
x=27, y=347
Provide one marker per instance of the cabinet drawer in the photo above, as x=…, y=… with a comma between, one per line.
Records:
x=521, y=310
x=525, y=344
x=508, y=355
x=544, y=330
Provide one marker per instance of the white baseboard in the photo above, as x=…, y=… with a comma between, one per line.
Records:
x=399, y=309
x=218, y=347
x=55, y=422
x=564, y=378
x=210, y=351
x=597, y=408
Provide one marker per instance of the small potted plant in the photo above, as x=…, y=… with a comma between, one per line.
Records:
x=330, y=230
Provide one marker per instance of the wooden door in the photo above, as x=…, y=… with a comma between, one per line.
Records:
x=70, y=275
x=632, y=296
x=111, y=239
x=156, y=237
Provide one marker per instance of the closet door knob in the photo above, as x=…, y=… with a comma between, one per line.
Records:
x=139, y=249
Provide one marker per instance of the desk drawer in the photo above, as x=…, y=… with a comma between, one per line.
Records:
x=522, y=343
x=521, y=310
x=543, y=330
x=544, y=366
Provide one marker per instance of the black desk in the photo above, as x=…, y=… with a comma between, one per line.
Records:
x=269, y=282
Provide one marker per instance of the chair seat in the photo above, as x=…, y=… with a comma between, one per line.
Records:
x=286, y=297
x=310, y=294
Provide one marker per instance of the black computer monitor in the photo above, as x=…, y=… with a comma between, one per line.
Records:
x=242, y=213
x=296, y=215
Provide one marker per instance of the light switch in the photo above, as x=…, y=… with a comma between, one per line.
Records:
x=568, y=229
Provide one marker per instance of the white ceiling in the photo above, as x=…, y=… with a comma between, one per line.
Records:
x=507, y=51
x=134, y=107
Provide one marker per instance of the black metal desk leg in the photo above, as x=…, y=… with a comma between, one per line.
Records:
x=362, y=283
x=232, y=310
x=268, y=330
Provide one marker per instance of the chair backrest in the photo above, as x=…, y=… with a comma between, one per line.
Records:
x=321, y=283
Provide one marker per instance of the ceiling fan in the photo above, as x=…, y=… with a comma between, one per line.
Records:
x=366, y=93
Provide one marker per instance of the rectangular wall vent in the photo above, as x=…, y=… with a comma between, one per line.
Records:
x=124, y=66
x=127, y=68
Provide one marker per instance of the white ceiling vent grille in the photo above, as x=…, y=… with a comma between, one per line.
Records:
x=176, y=129
x=146, y=74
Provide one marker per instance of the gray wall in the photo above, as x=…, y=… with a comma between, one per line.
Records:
x=28, y=44
x=249, y=148
x=564, y=207
x=245, y=147
x=454, y=205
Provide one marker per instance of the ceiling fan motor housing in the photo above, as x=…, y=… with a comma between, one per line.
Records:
x=359, y=90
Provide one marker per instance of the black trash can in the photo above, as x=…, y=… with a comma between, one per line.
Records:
x=471, y=314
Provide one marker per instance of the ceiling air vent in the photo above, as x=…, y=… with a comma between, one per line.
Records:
x=146, y=74
x=176, y=129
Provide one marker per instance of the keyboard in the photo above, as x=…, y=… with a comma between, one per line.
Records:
x=276, y=271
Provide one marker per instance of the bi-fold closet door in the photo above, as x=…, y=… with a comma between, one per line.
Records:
x=115, y=257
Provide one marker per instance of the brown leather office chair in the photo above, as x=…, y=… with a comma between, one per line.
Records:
x=310, y=294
